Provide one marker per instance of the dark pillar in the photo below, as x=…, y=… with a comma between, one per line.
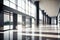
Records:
x=44, y=19
x=24, y=20
x=37, y=12
x=50, y=20
x=30, y=22
x=43, y=15
x=15, y=37
x=56, y=20
x=1, y=14
x=1, y=19
x=47, y=19
x=14, y=20
x=1, y=36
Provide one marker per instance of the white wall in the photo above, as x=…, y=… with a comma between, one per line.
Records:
x=50, y=6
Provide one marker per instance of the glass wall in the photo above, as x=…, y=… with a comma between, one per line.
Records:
x=53, y=21
x=11, y=20
x=27, y=22
x=8, y=20
x=19, y=22
x=24, y=21
x=23, y=6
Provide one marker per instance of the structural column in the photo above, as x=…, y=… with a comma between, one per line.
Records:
x=14, y=20
x=1, y=14
x=30, y=22
x=56, y=20
x=24, y=20
x=43, y=15
x=45, y=18
x=1, y=19
x=37, y=12
x=50, y=20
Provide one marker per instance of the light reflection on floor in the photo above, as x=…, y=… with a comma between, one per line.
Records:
x=16, y=35
x=28, y=33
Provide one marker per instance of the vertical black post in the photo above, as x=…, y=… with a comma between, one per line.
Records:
x=24, y=20
x=37, y=12
x=50, y=20
x=56, y=20
x=14, y=20
x=1, y=19
x=1, y=14
x=14, y=35
x=47, y=19
x=43, y=15
x=44, y=18
x=30, y=22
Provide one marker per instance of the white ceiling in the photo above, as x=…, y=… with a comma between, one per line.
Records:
x=51, y=7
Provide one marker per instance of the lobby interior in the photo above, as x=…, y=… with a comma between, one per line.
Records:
x=29, y=19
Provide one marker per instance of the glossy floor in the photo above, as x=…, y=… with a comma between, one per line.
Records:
x=33, y=33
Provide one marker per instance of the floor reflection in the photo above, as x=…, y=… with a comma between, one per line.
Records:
x=27, y=33
x=16, y=35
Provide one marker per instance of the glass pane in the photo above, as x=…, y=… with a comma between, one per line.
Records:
x=27, y=22
x=27, y=25
x=12, y=5
x=6, y=21
x=33, y=29
x=27, y=9
x=24, y=21
x=11, y=21
x=6, y=2
x=23, y=11
x=23, y=5
x=33, y=10
x=19, y=20
x=19, y=9
x=41, y=16
x=19, y=26
x=27, y=12
x=19, y=3
x=6, y=35
x=13, y=1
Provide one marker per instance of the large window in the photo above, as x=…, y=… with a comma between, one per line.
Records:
x=23, y=6
x=6, y=2
x=13, y=1
x=40, y=15
x=53, y=21
x=33, y=10
x=6, y=21
x=12, y=5
x=19, y=20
